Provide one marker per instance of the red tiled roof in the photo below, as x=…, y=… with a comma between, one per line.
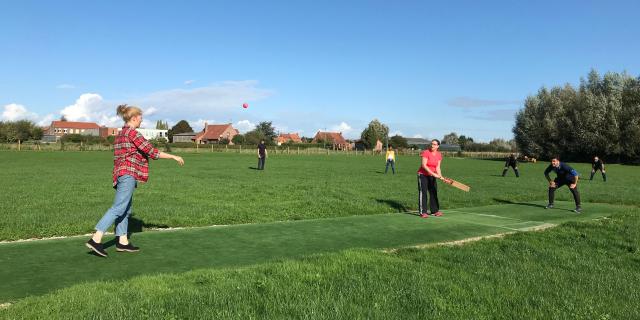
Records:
x=285, y=137
x=74, y=125
x=334, y=137
x=213, y=132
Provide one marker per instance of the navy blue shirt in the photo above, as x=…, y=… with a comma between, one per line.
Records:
x=261, y=149
x=564, y=171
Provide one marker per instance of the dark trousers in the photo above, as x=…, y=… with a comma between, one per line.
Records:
x=593, y=172
x=515, y=169
x=427, y=184
x=261, y=161
x=393, y=166
x=560, y=183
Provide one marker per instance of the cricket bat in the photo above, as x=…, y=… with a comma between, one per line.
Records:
x=456, y=184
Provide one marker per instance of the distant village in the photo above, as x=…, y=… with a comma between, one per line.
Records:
x=210, y=134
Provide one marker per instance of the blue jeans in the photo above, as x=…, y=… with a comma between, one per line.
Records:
x=393, y=166
x=121, y=209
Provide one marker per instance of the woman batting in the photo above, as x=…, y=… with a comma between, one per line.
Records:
x=427, y=174
x=130, y=165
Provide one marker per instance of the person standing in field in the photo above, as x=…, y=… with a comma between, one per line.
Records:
x=598, y=164
x=130, y=166
x=427, y=174
x=391, y=160
x=565, y=175
x=262, y=155
x=513, y=163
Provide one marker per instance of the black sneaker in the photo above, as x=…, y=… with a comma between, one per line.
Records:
x=549, y=206
x=577, y=210
x=96, y=247
x=128, y=248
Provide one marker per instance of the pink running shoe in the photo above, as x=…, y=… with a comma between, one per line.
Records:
x=424, y=215
x=438, y=214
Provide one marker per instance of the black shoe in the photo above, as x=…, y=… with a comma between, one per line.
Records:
x=577, y=210
x=96, y=247
x=549, y=206
x=128, y=248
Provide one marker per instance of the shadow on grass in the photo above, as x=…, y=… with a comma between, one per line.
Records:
x=396, y=206
x=518, y=203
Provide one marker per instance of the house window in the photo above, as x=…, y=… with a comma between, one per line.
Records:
x=64, y=130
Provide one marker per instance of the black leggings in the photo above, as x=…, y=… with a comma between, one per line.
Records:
x=560, y=183
x=427, y=184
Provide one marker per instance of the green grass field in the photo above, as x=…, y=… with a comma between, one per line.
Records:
x=310, y=238
x=65, y=193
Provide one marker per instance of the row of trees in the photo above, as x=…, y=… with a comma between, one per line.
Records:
x=599, y=117
x=467, y=144
x=19, y=131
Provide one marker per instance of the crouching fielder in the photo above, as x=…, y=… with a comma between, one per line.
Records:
x=130, y=165
x=565, y=175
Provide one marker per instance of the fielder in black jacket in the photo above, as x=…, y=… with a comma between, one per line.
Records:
x=513, y=163
x=598, y=164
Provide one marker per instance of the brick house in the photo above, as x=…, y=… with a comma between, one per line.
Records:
x=336, y=140
x=60, y=128
x=213, y=133
x=106, y=132
x=286, y=137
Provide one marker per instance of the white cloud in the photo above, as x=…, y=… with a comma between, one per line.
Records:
x=199, y=124
x=417, y=136
x=14, y=112
x=395, y=133
x=342, y=127
x=65, y=86
x=244, y=126
x=46, y=120
x=87, y=107
x=189, y=82
x=149, y=111
x=203, y=101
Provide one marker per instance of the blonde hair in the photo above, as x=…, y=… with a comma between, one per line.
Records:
x=128, y=112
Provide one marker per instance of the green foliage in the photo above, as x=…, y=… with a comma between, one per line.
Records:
x=263, y=131
x=181, y=127
x=451, y=138
x=373, y=132
x=600, y=117
x=23, y=130
x=85, y=139
x=398, y=142
x=238, y=139
x=162, y=125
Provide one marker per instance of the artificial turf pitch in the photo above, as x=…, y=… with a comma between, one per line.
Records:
x=39, y=267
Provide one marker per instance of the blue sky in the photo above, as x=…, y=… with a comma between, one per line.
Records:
x=423, y=68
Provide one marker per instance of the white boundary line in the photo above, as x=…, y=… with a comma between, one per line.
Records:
x=484, y=215
x=480, y=224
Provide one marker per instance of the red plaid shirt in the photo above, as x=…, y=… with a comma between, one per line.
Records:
x=131, y=155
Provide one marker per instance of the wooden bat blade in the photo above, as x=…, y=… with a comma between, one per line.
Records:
x=457, y=184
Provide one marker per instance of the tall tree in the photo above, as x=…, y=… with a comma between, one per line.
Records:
x=597, y=118
x=451, y=138
x=181, y=127
x=375, y=131
x=161, y=125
